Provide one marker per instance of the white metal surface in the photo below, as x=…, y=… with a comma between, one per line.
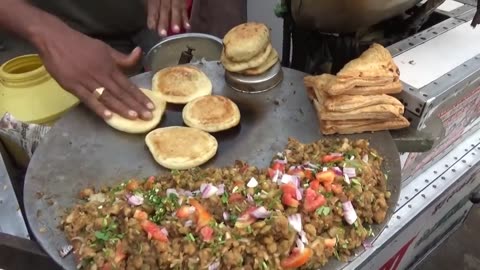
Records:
x=423, y=202
x=450, y=5
x=436, y=57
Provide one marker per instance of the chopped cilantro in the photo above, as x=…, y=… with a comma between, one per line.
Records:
x=224, y=198
x=190, y=237
x=356, y=181
x=324, y=210
x=335, y=252
x=264, y=265
x=233, y=218
x=374, y=154
x=175, y=172
x=108, y=232
x=249, y=229
x=328, y=195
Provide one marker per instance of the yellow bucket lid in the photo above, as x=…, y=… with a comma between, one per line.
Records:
x=30, y=94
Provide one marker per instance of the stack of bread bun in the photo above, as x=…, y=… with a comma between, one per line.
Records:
x=357, y=99
x=247, y=49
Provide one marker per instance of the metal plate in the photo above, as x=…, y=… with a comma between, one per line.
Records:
x=255, y=84
x=168, y=51
x=82, y=151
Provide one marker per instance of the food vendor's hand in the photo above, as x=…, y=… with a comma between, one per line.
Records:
x=167, y=14
x=92, y=71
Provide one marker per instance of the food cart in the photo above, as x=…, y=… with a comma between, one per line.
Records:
x=439, y=186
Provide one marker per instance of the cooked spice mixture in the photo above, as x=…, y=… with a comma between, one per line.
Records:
x=316, y=201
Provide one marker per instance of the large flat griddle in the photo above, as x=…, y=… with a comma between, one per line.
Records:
x=82, y=151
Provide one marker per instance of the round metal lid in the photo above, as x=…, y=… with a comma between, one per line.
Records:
x=169, y=51
x=255, y=84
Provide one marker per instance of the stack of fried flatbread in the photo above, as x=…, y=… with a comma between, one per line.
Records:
x=247, y=49
x=357, y=100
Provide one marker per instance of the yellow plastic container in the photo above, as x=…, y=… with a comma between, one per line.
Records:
x=31, y=95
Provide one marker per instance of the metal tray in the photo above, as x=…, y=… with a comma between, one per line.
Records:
x=82, y=151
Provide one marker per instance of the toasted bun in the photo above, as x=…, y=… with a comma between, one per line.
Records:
x=181, y=84
x=139, y=125
x=211, y=113
x=245, y=41
x=181, y=148
x=271, y=60
x=256, y=61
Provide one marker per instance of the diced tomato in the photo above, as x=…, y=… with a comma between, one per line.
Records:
x=271, y=173
x=153, y=231
x=330, y=158
x=150, y=182
x=132, y=185
x=183, y=212
x=297, y=172
x=140, y=215
x=337, y=189
x=330, y=242
x=206, y=233
x=236, y=197
x=312, y=200
x=297, y=258
x=289, y=197
x=278, y=166
x=203, y=216
x=120, y=254
x=325, y=177
x=315, y=185
x=246, y=218
x=309, y=175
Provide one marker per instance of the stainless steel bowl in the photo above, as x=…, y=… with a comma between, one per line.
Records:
x=168, y=51
x=346, y=16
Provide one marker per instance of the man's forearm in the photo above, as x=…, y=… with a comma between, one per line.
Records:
x=25, y=21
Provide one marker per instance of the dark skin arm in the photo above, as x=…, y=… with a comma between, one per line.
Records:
x=79, y=63
x=476, y=18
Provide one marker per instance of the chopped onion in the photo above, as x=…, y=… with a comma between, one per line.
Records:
x=324, y=169
x=303, y=237
x=260, y=213
x=299, y=192
x=226, y=215
x=252, y=183
x=172, y=191
x=235, y=189
x=164, y=231
x=296, y=222
x=250, y=198
x=65, y=250
x=349, y=212
x=311, y=165
x=135, y=200
x=337, y=170
x=221, y=189
x=188, y=223
x=281, y=161
x=347, y=179
x=352, y=157
x=350, y=172
x=367, y=245
x=300, y=244
x=287, y=179
x=365, y=158
x=336, y=154
x=208, y=191
x=214, y=266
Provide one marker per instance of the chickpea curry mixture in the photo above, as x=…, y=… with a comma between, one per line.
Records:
x=315, y=202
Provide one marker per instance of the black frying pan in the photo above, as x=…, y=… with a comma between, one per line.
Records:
x=82, y=151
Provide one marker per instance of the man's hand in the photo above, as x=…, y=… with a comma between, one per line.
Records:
x=81, y=64
x=167, y=14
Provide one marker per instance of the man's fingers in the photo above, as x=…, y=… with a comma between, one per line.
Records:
x=153, y=7
x=186, y=19
x=116, y=105
x=176, y=14
x=137, y=95
x=164, y=19
x=126, y=61
x=88, y=98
